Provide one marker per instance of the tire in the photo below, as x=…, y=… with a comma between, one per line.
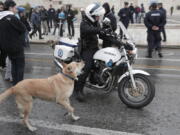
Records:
x=125, y=94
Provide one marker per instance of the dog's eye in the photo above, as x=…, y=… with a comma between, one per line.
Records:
x=69, y=69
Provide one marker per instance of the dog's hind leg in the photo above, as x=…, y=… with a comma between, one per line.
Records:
x=67, y=105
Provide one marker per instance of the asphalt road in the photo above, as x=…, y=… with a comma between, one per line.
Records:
x=100, y=114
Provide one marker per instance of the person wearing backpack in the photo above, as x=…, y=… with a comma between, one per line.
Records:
x=12, y=39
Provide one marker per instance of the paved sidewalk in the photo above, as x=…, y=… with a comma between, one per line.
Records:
x=136, y=31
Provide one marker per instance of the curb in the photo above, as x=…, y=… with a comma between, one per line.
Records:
x=138, y=45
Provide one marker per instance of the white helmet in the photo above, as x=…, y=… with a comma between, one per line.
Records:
x=94, y=10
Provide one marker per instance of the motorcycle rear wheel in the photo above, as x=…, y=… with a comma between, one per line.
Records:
x=136, y=98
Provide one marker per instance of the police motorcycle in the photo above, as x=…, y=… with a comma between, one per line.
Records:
x=112, y=69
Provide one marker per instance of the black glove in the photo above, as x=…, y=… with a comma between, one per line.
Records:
x=105, y=32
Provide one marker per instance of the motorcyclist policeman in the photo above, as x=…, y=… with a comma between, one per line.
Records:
x=89, y=29
x=154, y=21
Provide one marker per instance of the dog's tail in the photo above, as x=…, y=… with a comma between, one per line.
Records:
x=6, y=94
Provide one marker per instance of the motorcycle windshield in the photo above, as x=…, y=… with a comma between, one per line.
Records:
x=126, y=34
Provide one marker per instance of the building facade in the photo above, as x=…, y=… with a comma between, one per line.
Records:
x=117, y=3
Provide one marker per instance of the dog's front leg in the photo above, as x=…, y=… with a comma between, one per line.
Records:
x=67, y=105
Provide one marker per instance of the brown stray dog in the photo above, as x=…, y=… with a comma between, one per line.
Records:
x=57, y=88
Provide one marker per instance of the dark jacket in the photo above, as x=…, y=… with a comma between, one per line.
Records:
x=36, y=19
x=12, y=36
x=25, y=22
x=51, y=13
x=154, y=18
x=112, y=18
x=88, y=34
x=70, y=15
x=124, y=15
x=164, y=12
x=44, y=15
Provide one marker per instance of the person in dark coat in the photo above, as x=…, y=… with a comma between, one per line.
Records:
x=124, y=15
x=12, y=37
x=132, y=11
x=24, y=20
x=113, y=24
x=160, y=6
x=36, y=22
x=70, y=19
x=3, y=54
x=154, y=21
x=51, y=15
x=89, y=28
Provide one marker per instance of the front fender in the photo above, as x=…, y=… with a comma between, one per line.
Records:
x=134, y=72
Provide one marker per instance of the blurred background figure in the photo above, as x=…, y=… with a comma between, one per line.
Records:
x=3, y=54
x=160, y=6
x=44, y=20
x=124, y=15
x=132, y=11
x=113, y=24
x=51, y=16
x=112, y=10
x=70, y=21
x=36, y=22
x=24, y=20
x=142, y=13
x=62, y=19
x=137, y=14
x=171, y=10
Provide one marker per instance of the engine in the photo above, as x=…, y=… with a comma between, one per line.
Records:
x=100, y=74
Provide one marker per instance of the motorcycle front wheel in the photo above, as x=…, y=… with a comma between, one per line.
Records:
x=136, y=98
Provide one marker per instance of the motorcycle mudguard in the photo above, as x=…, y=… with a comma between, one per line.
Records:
x=134, y=72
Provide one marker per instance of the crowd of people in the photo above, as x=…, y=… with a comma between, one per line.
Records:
x=16, y=26
x=44, y=19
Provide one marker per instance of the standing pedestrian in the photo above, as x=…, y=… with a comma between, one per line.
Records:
x=12, y=37
x=44, y=19
x=112, y=10
x=62, y=19
x=142, y=13
x=132, y=11
x=154, y=21
x=3, y=54
x=51, y=15
x=113, y=24
x=24, y=20
x=160, y=6
x=36, y=22
x=56, y=21
x=171, y=10
x=70, y=19
x=137, y=14
x=124, y=15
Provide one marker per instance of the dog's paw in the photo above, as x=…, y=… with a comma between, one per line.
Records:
x=76, y=118
x=32, y=129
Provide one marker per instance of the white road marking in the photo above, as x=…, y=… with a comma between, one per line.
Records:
x=163, y=69
x=67, y=127
x=156, y=59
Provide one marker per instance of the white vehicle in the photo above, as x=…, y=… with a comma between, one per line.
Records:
x=113, y=69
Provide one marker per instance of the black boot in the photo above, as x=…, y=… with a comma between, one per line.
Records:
x=149, y=54
x=160, y=55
